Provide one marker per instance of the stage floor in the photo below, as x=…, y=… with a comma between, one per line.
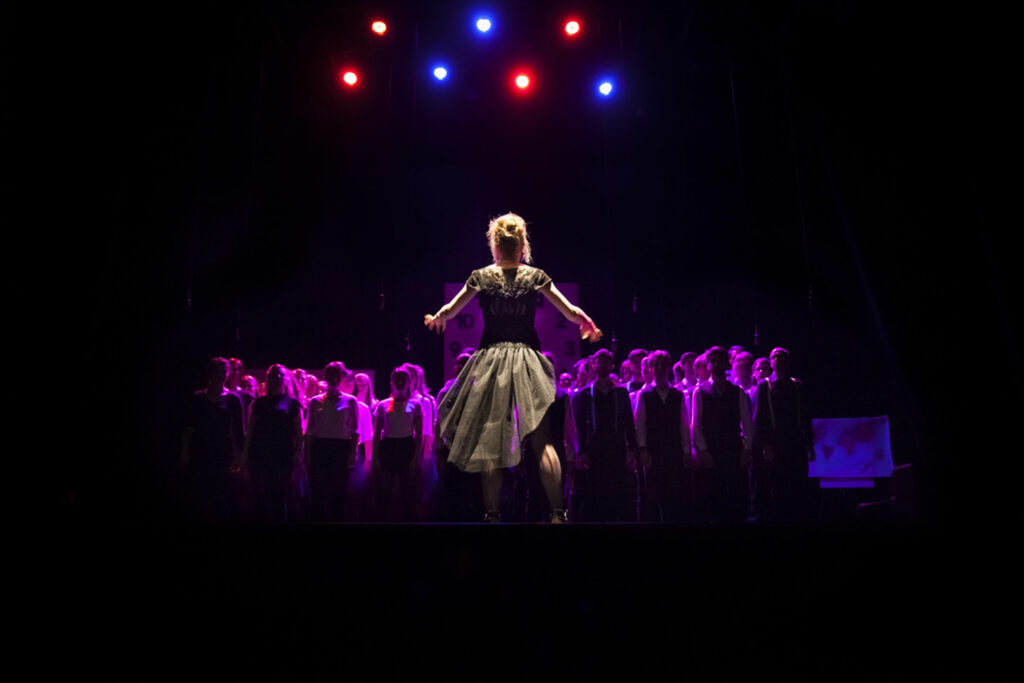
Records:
x=494, y=601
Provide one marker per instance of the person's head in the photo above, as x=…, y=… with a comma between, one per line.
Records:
x=299, y=377
x=565, y=380
x=217, y=370
x=418, y=379
x=250, y=385
x=742, y=367
x=401, y=382
x=364, y=387
x=762, y=369
x=626, y=371
x=678, y=374
x=234, y=374
x=636, y=358
x=584, y=372
x=507, y=238
x=687, y=360
x=604, y=362
x=461, y=360
x=718, y=361
x=780, y=361
x=733, y=352
x=661, y=365
x=701, y=369
x=278, y=379
x=334, y=373
x=646, y=371
x=312, y=385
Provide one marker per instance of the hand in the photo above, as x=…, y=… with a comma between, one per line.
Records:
x=590, y=332
x=434, y=323
x=582, y=462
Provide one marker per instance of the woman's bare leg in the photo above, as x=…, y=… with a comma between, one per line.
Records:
x=551, y=476
x=550, y=468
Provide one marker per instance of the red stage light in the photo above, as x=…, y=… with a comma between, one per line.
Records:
x=572, y=27
x=348, y=77
x=522, y=81
x=379, y=27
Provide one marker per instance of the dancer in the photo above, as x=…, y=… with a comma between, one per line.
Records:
x=503, y=393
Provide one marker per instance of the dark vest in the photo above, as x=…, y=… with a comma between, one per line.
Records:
x=721, y=419
x=664, y=430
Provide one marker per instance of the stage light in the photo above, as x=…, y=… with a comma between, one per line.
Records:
x=522, y=81
x=348, y=77
x=605, y=88
x=379, y=27
x=440, y=73
x=572, y=27
x=483, y=24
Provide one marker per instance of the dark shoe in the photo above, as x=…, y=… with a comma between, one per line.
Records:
x=559, y=516
x=492, y=517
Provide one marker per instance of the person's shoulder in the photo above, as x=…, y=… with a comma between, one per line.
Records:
x=538, y=277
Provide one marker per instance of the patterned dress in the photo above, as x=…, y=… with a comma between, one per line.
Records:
x=504, y=390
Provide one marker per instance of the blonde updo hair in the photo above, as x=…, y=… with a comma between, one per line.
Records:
x=506, y=234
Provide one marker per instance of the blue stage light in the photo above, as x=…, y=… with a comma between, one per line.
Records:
x=440, y=73
x=605, y=88
x=483, y=24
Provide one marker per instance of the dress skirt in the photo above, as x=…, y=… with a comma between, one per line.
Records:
x=498, y=399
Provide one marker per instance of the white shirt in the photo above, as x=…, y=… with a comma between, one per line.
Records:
x=333, y=418
x=396, y=419
x=684, y=419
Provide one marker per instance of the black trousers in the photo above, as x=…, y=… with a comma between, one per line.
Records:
x=330, y=464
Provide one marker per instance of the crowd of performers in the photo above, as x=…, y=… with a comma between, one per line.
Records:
x=717, y=437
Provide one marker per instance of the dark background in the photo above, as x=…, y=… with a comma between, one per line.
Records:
x=759, y=178
x=209, y=189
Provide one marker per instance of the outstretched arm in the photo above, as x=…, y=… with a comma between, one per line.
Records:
x=437, y=321
x=575, y=314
